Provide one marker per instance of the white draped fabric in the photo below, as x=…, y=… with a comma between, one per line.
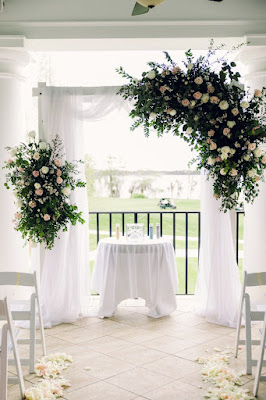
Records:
x=218, y=285
x=66, y=274
x=65, y=279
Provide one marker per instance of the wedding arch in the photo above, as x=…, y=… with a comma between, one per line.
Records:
x=62, y=110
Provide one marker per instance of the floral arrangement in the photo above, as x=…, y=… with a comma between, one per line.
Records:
x=42, y=184
x=226, y=381
x=212, y=112
x=52, y=384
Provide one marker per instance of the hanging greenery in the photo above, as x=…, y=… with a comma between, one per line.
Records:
x=204, y=103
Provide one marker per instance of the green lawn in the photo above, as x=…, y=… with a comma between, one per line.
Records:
x=138, y=205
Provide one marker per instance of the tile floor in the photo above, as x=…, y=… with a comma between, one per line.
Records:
x=132, y=356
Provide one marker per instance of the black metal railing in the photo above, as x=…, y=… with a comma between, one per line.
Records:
x=122, y=217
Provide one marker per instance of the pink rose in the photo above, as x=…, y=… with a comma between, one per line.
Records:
x=257, y=93
x=175, y=70
x=214, y=99
x=216, y=196
x=209, y=140
x=20, y=169
x=32, y=204
x=211, y=133
x=263, y=160
x=218, y=159
x=46, y=217
x=57, y=163
x=9, y=161
x=58, y=172
x=17, y=215
x=226, y=131
x=59, y=180
x=257, y=178
x=213, y=146
x=185, y=102
x=39, y=192
x=234, y=172
x=162, y=90
x=36, y=174
x=197, y=95
x=252, y=146
x=198, y=80
x=235, y=111
x=210, y=89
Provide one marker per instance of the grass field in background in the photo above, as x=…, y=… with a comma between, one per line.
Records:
x=138, y=205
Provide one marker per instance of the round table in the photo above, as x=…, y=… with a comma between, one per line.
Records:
x=125, y=269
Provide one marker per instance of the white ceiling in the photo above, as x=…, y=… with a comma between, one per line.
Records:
x=46, y=20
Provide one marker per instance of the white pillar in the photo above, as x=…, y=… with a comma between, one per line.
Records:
x=13, y=60
x=254, y=59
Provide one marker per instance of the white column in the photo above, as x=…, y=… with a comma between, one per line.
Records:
x=13, y=61
x=254, y=59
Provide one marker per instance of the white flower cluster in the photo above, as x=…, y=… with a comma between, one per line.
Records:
x=226, y=380
x=52, y=386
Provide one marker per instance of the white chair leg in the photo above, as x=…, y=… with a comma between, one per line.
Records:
x=238, y=327
x=248, y=336
x=32, y=334
x=40, y=317
x=3, y=364
x=260, y=362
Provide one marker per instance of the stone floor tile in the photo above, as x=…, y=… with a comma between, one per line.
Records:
x=176, y=390
x=101, y=391
x=106, y=344
x=138, y=355
x=79, y=335
x=173, y=366
x=140, y=380
x=168, y=344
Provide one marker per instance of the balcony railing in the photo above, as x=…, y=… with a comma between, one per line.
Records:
x=183, y=227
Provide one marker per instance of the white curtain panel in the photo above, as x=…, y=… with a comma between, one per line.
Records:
x=65, y=280
x=218, y=286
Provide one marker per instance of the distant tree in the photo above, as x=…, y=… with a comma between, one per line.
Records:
x=179, y=188
x=112, y=176
x=171, y=188
x=132, y=188
x=144, y=185
x=90, y=174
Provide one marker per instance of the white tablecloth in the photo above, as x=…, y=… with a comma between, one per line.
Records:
x=129, y=270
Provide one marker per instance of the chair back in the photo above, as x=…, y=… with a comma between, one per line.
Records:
x=17, y=279
x=254, y=279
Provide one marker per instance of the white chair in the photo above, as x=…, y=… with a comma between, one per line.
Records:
x=249, y=314
x=261, y=361
x=8, y=343
x=26, y=310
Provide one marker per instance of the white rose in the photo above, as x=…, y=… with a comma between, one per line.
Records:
x=231, y=124
x=66, y=191
x=42, y=145
x=19, y=204
x=172, y=113
x=13, y=152
x=246, y=157
x=223, y=105
x=258, y=152
x=32, y=134
x=135, y=81
x=45, y=170
x=193, y=103
x=152, y=115
x=232, y=151
x=222, y=171
x=205, y=98
x=251, y=172
x=151, y=74
x=190, y=66
x=36, y=156
x=37, y=185
x=225, y=149
x=211, y=161
x=244, y=104
x=224, y=156
x=189, y=130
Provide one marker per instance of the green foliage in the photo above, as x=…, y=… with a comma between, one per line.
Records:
x=42, y=184
x=210, y=111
